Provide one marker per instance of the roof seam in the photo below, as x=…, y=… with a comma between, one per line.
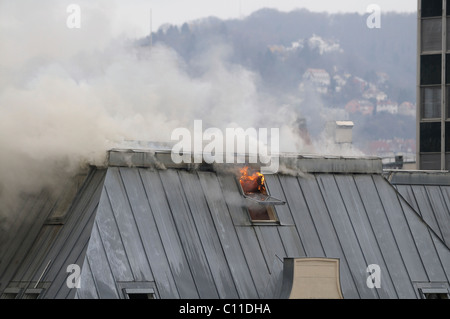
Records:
x=123, y=187
x=415, y=244
x=431, y=231
x=393, y=233
x=292, y=217
x=352, y=226
x=321, y=188
x=188, y=208
x=84, y=210
x=178, y=232
x=374, y=235
x=237, y=238
x=159, y=233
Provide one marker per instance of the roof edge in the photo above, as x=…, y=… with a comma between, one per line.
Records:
x=441, y=178
x=288, y=163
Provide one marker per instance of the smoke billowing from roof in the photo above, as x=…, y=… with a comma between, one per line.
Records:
x=68, y=95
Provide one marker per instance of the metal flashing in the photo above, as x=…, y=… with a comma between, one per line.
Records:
x=441, y=178
x=287, y=162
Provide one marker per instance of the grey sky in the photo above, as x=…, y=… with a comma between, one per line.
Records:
x=134, y=15
x=43, y=24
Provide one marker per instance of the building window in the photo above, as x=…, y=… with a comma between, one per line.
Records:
x=261, y=213
x=30, y=296
x=431, y=102
x=431, y=35
x=447, y=101
x=432, y=290
x=139, y=293
x=260, y=203
x=430, y=161
x=430, y=69
x=9, y=295
x=447, y=137
x=448, y=29
x=19, y=293
x=430, y=137
x=447, y=67
x=138, y=290
x=32, y=293
x=434, y=293
x=431, y=8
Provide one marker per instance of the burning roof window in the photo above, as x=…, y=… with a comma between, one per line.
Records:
x=254, y=189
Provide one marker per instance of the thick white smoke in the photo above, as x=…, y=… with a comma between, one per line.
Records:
x=68, y=95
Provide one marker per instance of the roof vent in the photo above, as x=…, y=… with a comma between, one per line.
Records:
x=311, y=278
x=341, y=131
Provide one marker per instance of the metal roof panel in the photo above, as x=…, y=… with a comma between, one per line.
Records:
x=187, y=232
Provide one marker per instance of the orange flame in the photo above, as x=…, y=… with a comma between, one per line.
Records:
x=253, y=183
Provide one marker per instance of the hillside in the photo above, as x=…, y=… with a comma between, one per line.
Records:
x=371, y=72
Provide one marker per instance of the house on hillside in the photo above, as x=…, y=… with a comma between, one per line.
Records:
x=145, y=227
x=387, y=106
x=374, y=93
x=407, y=108
x=364, y=107
x=319, y=78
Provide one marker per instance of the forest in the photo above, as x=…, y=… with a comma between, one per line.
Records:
x=281, y=46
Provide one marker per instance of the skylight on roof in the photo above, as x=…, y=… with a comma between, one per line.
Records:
x=253, y=188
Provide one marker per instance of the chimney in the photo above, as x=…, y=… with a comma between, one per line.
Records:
x=303, y=130
x=341, y=130
x=399, y=161
x=311, y=278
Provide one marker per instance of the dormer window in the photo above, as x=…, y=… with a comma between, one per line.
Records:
x=434, y=293
x=260, y=203
x=138, y=290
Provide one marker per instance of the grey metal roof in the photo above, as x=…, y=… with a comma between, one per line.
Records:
x=47, y=235
x=429, y=194
x=188, y=233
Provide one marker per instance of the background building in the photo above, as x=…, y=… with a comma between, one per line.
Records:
x=433, y=125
